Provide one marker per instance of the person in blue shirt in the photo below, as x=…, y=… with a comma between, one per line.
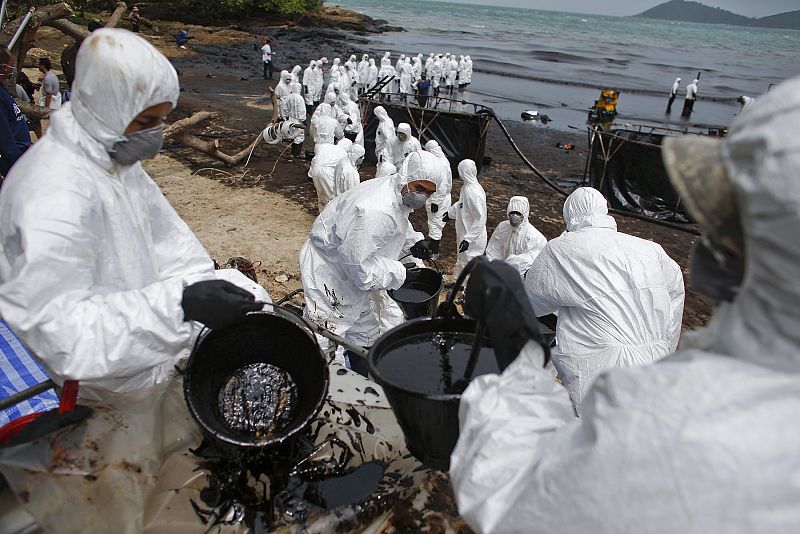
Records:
x=182, y=38
x=423, y=88
x=14, y=136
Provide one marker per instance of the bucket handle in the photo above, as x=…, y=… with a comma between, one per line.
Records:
x=448, y=309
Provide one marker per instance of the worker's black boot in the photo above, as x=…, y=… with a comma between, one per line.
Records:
x=297, y=150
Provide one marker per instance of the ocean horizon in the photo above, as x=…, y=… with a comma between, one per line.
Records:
x=556, y=62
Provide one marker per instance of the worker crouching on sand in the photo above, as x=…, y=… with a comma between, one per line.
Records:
x=619, y=298
x=99, y=276
x=355, y=247
x=705, y=440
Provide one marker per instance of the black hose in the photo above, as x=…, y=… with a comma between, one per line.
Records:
x=557, y=189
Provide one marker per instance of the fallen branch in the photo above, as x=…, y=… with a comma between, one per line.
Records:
x=177, y=131
x=177, y=127
x=70, y=29
x=117, y=15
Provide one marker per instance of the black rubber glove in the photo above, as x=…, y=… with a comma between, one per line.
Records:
x=446, y=217
x=496, y=297
x=463, y=246
x=217, y=303
x=434, y=208
x=421, y=249
x=433, y=246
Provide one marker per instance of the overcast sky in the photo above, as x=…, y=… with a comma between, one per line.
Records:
x=748, y=8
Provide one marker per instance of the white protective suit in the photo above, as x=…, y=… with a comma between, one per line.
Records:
x=702, y=441
x=675, y=87
x=318, y=82
x=325, y=128
x=363, y=71
x=296, y=109
x=384, y=136
x=443, y=195
x=435, y=72
x=93, y=258
x=452, y=72
x=346, y=176
x=406, y=76
x=281, y=92
x=355, y=81
x=372, y=75
x=518, y=246
x=310, y=83
x=350, y=109
x=691, y=90
x=469, y=69
x=402, y=149
x=386, y=71
x=619, y=298
x=323, y=169
x=470, y=215
x=398, y=67
x=353, y=252
x=335, y=71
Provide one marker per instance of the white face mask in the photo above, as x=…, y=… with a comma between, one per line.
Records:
x=515, y=219
x=414, y=199
x=138, y=146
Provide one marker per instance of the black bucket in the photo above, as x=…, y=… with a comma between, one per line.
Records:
x=419, y=295
x=276, y=338
x=429, y=420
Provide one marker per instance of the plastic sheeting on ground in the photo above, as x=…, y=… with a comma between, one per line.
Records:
x=626, y=167
x=129, y=469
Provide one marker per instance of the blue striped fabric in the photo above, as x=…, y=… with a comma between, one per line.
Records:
x=18, y=372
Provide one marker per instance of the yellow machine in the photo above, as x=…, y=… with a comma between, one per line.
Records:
x=605, y=107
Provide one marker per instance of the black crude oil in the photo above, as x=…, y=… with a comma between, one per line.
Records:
x=431, y=363
x=258, y=399
x=414, y=296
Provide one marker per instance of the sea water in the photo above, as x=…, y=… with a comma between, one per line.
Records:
x=556, y=62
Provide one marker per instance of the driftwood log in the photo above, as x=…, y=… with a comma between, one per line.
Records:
x=177, y=131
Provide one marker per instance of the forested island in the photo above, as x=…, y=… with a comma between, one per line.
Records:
x=686, y=11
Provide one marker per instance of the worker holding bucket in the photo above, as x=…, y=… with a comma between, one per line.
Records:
x=355, y=246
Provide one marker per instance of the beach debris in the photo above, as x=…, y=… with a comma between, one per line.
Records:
x=567, y=146
x=534, y=115
x=281, y=278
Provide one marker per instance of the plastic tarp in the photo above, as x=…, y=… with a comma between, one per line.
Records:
x=129, y=468
x=461, y=135
x=626, y=167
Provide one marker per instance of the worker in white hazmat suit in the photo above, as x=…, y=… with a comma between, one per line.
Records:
x=309, y=85
x=406, y=77
x=372, y=75
x=282, y=91
x=384, y=136
x=386, y=71
x=296, y=110
x=404, y=143
x=673, y=94
x=325, y=128
x=469, y=214
x=323, y=169
x=440, y=201
x=691, y=98
x=619, y=298
x=318, y=83
x=346, y=174
x=335, y=71
x=667, y=440
x=363, y=72
x=353, y=127
x=469, y=69
x=99, y=276
x=354, y=248
x=516, y=241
